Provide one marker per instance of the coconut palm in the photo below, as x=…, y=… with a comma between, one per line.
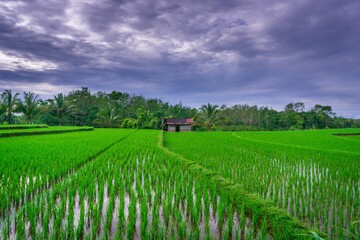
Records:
x=60, y=107
x=30, y=106
x=146, y=119
x=107, y=117
x=10, y=102
x=2, y=108
x=208, y=115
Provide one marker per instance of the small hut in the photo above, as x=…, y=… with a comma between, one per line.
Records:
x=177, y=124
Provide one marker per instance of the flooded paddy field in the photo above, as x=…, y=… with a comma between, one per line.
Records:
x=149, y=185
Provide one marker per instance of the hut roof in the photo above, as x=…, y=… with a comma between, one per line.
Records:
x=178, y=121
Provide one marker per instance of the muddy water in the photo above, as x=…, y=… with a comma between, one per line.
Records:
x=213, y=218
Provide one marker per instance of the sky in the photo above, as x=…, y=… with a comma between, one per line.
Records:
x=262, y=52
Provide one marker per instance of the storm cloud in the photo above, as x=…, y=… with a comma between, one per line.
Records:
x=223, y=52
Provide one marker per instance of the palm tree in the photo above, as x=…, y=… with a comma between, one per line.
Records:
x=10, y=102
x=146, y=119
x=2, y=108
x=30, y=106
x=208, y=115
x=60, y=107
x=107, y=117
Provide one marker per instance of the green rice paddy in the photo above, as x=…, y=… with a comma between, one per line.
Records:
x=131, y=184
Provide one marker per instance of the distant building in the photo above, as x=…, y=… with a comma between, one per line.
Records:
x=177, y=124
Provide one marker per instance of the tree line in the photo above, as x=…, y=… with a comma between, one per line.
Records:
x=120, y=109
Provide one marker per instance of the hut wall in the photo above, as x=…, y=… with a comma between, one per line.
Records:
x=171, y=128
x=185, y=128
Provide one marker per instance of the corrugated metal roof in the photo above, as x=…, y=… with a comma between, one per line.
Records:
x=178, y=121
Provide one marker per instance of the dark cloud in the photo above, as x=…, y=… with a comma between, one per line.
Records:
x=256, y=52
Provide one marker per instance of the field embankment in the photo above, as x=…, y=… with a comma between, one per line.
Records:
x=346, y=134
x=25, y=126
x=16, y=132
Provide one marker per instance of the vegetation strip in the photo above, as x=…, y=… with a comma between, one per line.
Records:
x=7, y=127
x=278, y=220
x=346, y=134
x=43, y=132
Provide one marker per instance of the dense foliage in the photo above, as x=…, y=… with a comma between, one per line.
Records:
x=117, y=109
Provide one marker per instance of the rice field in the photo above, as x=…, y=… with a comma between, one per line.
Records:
x=146, y=184
x=313, y=175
